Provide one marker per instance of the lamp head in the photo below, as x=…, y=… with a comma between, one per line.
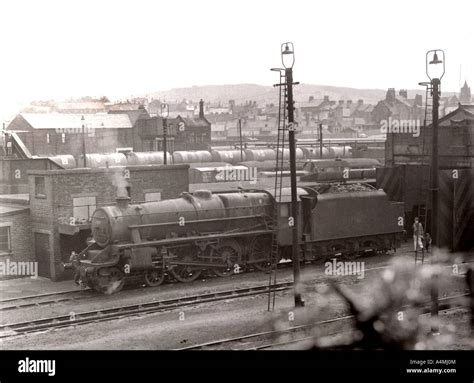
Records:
x=435, y=59
x=287, y=55
x=435, y=66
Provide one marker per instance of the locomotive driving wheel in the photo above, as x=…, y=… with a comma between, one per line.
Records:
x=227, y=252
x=154, y=277
x=186, y=273
x=109, y=280
x=259, y=255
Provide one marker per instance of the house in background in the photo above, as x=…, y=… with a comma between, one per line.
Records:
x=398, y=107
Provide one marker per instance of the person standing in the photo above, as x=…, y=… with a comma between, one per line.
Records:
x=417, y=235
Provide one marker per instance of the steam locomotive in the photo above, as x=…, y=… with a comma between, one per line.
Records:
x=229, y=232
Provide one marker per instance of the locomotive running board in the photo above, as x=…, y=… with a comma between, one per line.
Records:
x=143, y=226
x=180, y=240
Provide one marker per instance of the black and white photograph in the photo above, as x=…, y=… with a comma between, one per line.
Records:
x=277, y=184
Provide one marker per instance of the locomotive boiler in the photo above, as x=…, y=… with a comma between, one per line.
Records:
x=229, y=232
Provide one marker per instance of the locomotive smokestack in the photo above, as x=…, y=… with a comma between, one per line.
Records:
x=122, y=201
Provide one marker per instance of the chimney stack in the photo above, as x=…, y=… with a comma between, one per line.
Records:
x=403, y=93
x=418, y=100
x=390, y=97
x=201, y=109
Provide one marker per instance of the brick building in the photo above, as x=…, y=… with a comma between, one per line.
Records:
x=49, y=134
x=183, y=133
x=62, y=201
x=15, y=234
x=456, y=142
x=14, y=173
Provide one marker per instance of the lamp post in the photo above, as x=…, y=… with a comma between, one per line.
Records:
x=165, y=111
x=83, y=122
x=435, y=68
x=288, y=60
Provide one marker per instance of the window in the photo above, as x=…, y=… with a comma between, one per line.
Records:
x=40, y=191
x=5, y=242
x=48, y=138
x=153, y=197
x=63, y=138
x=83, y=207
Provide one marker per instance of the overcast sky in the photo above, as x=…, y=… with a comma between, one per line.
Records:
x=58, y=49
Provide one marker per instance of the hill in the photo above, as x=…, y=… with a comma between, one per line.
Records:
x=268, y=94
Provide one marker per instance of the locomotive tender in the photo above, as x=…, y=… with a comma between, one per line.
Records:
x=228, y=232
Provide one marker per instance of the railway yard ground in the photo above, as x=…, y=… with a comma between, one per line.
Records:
x=209, y=313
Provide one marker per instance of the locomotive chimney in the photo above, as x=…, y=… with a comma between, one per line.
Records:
x=122, y=201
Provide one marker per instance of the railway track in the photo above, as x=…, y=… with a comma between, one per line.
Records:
x=266, y=340
x=44, y=299
x=13, y=329
x=74, y=295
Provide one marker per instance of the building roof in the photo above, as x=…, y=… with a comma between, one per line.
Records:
x=315, y=103
x=73, y=120
x=463, y=112
x=195, y=122
x=7, y=209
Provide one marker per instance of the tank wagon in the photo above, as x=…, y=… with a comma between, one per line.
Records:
x=102, y=160
x=260, y=154
x=147, y=158
x=185, y=157
x=230, y=156
x=229, y=231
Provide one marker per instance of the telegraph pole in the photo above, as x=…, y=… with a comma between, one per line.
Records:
x=164, y=141
x=84, y=142
x=240, y=134
x=164, y=115
x=321, y=141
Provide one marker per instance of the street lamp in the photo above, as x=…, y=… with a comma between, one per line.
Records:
x=435, y=68
x=288, y=60
x=165, y=111
x=83, y=123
